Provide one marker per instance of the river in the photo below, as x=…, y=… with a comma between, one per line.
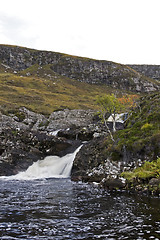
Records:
x=43, y=203
x=61, y=209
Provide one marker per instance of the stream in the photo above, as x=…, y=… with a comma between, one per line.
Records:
x=57, y=208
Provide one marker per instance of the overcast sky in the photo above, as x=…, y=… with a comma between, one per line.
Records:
x=123, y=31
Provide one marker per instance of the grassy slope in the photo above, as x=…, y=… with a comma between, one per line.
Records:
x=143, y=124
x=141, y=135
x=41, y=89
x=141, y=138
x=46, y=93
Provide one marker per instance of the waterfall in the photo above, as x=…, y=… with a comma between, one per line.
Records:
x=50, y=167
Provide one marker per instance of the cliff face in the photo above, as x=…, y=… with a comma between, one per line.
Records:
x=151, y=71
x=81, y=69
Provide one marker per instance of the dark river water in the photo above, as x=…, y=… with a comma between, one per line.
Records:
x=61, y=209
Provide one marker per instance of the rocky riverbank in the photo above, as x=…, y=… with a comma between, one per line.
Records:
x=131, y=161
x=27, y=137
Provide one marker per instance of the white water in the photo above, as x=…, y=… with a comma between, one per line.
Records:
x=54, y=133
x=118, y=118
x=50, y=167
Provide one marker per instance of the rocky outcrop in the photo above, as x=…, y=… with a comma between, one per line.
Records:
x=151, y=71
x=19, y=148
x=81, y=69
x=91, y=155
x=26, y=136
x=70, y=118
x=94, y=164
x=100, y=163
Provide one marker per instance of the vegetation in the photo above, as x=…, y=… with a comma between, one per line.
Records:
x=145, y=178
x=41, y=90
x=147, y=171
x=142, y=129
x=45, y=88
x=110, y=105
x=140, y=138
x=46, y=81
x=45, y=95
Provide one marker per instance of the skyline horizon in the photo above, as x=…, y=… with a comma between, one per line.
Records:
x=65, y=53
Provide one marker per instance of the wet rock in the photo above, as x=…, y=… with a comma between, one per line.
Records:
x=90, y=155
x=81, y=133
x=20, y=148
x=113, y=184
x=27, y=136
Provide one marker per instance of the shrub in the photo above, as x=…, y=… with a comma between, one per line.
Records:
x=147, y=126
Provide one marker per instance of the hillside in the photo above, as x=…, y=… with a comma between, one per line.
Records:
x=142, y=131
x=151, y=71
x=46, y=81
x=134, y=154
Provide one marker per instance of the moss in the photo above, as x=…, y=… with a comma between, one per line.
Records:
x=116, y=155
x=140, y=138
x=128, y=175
x=147, y=171
x=14, y=132
x=143, y=123
x=19, y=115
x=147, y=126
x=153, y=117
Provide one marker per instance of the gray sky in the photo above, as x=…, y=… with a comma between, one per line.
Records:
x=124, y=31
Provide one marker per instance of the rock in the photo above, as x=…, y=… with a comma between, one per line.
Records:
x=113, y=184
x=81, y=133
x=20, y=148
x=35, y=121
x=23, y=141
x=90, y=155
x=6, y=122
x=154, y=182
x=69, y=119
x=27, y=136
x=151, y=71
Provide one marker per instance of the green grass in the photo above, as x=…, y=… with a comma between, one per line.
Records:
x=46, y=93
x=147, y=171
x=140, y=139
x=42, y=90
x=142, y=125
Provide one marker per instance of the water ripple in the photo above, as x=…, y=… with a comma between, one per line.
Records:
x=60, y=209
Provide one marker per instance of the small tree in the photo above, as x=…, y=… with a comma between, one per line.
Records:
x=108, y=104
x=112, y=105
